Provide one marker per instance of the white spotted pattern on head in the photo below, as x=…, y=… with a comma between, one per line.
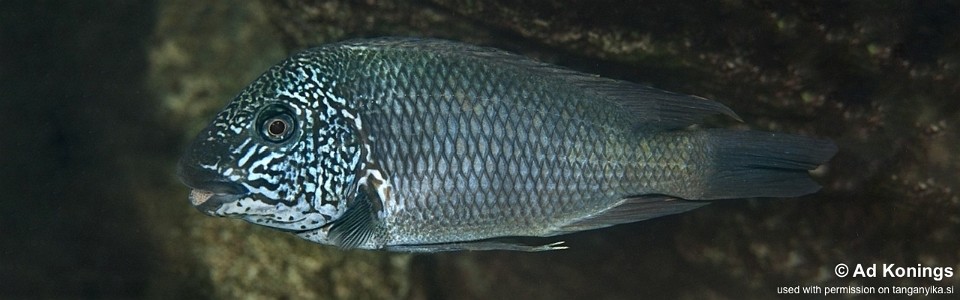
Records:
x=300, y=183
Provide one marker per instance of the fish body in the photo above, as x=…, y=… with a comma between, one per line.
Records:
x=430, y=145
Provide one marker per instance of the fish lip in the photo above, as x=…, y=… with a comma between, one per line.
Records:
x=208, y=191
x=208, y=196
x=218, y=187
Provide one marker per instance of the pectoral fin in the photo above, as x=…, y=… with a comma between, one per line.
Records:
x=359, y=224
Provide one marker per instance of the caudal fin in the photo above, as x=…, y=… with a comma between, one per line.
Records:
x=763, y=164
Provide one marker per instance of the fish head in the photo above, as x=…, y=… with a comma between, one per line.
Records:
x=281, y=154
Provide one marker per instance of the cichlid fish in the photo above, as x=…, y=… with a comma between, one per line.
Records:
x=427, y=145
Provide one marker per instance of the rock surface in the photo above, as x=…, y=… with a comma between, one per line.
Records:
x=196, y=67
x=878, y=78
x=100, y=97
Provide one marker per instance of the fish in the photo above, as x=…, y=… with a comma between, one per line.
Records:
x=428, y=145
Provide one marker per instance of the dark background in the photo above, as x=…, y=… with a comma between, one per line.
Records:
x=73, y=111
x=97, y=99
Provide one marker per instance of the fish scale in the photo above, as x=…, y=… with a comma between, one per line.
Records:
x=539, y=200
x=429, y=145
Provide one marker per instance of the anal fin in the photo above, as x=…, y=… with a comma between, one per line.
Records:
x=483, y=245
x=631, y=209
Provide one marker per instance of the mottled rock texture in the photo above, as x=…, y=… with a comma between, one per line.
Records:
x=100, y=97
x=879, y=78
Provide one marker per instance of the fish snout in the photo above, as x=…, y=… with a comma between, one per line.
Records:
x=209, y=190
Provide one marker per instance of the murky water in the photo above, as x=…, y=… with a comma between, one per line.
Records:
x=99, y=98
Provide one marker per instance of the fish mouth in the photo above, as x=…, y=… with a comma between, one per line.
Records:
x=207, y=197
x=208, y=190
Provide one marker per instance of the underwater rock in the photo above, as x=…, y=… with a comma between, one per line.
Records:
x=876, y=78
x=196, y=68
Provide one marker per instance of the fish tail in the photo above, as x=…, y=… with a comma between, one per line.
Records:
x=763, y=164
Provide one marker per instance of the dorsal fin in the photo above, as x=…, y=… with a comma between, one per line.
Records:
x=631, y=209
x=649, y=108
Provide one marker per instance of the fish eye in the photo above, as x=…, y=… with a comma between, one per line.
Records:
x=276, y=123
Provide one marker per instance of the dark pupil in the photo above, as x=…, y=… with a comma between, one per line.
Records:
x=277, y=127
